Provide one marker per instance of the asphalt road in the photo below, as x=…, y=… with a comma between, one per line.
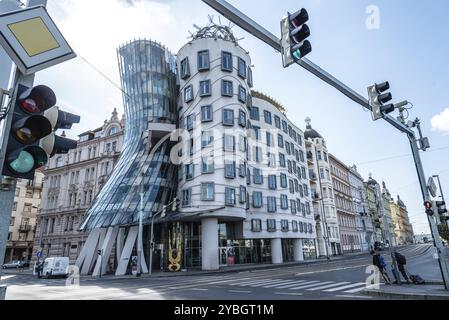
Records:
x=339, y=279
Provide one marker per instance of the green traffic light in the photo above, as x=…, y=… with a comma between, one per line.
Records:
x=297, y=54
x=24, y=163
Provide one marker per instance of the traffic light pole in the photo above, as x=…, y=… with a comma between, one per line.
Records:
x=246, y=23
x=7, y=193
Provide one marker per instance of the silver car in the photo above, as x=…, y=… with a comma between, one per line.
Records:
x=12, y=265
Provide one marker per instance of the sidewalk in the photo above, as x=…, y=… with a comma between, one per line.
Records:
x=432, y=290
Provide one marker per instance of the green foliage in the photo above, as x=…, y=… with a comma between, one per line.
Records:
x=444, y=231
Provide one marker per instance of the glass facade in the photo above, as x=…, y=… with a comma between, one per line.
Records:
x=148, y=78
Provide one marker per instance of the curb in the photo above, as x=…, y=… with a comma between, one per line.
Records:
x=409, y=296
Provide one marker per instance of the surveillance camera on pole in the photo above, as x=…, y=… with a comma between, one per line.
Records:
x=377, y=98
x=295, y=31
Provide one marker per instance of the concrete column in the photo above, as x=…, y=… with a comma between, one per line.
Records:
x=276, y=251
x=298, y=254
x=209, y=244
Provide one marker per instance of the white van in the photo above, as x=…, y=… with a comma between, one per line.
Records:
x=56, y=267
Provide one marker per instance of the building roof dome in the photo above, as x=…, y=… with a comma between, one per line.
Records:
x=310, y=132
x=371, y=181
x=400, y=202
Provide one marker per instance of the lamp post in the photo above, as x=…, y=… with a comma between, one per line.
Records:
x=140, y=233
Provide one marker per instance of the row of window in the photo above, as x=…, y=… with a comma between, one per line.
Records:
x=207, y=115
x=279, y=124
x=256, y=226
x=227, y=90
x=203, y=64
x=208, y=194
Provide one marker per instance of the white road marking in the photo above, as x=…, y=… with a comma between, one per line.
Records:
x=277, y=284
x=357, y=289
x=229, y=280
x=346, y=287
x=328, y=286
x=199, y=289
x=254, y=282
x=239, y=291
x=309, y=284
x=292, y=284
x=289, y=293
x=353, y=296
x=329, y=270
x=263, y=284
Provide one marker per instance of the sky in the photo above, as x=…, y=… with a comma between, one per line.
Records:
x=360, y=42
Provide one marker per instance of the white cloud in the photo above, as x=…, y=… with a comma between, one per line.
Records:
x=440, y=122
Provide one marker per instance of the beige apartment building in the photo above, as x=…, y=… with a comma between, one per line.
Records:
x=22, y=225
x=403, y=228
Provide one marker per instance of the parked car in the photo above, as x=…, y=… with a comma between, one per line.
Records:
x=12, y=265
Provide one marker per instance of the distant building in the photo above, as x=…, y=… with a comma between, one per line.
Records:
x=71, y=183
x=371, y=191
x=22, y=227
x=363, y=220
x=388, y=221
x=324, y=209
x=403, y=228
x=350, y=241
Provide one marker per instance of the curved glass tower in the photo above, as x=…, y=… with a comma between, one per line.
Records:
x=148, y=77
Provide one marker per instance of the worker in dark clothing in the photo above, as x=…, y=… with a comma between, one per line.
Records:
x=380, y=263
x=401, y=261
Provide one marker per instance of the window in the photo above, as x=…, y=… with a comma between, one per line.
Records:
x=282, y=160
x=293, y=206
x=242, y=118
x=284, y=126
x=325, y=156
x=272, y=182
x=242, y=169
x=250, y=77
x=295, y=226
x=229, y=170
x=301, y=155
x=230, y=197
x=271, y=204
x=190, y=119
x=207, y=191
x=291, y=186
x=322, y=173
x=242, y=68
x=257, y=154
x=318, y=155
x=271, y=160
x=228, y=117
x=258, y=177
x=207, y=165
x=226, y=88
x=112, y=131
x=306, y=190
x=186, y=196
x=242, y=194
x=284, y=225
x=307, y=208
x=205, y=88
x=277, y=122
x=203, y=60
x=249, y=101
x=269, y=139
x=254, y=114
x=284, y=201
x=207, y=139
x=267, y=116
x=256, y=132
x=29, y=193
x=248, y=177
x=280, y=141
x=228, y=143
x=206, y=113
x=189, y=171
x=271, y=225
x=256, y=225
x=226, y=61
x=301, y=227
x=303, y=171
x=188, y=94
x=257, y=199
x=185, y=68
x=12, y=221
x=14, y=207
x=283, y=177
x=242, y=94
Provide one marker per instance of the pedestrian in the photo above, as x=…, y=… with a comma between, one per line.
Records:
x=379, y=262
x=401, y=261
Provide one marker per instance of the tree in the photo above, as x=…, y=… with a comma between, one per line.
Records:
x=444, y=231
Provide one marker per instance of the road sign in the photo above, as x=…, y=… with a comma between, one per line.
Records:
x=432, y=187
x=32, y=40
x=39, y=254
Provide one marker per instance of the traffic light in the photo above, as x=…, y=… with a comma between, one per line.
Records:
x=31, y=140
x=428, y=206
x=295, y=31
x=377, y=98
x=442, y=210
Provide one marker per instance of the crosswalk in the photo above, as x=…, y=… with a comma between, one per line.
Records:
x=304, y=285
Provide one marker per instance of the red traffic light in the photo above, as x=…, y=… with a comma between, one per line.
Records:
x=428, y=204
x=37, y=99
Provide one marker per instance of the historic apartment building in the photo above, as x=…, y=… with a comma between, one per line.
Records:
x=350, y=241
x=325, y=212
x=22, y=227
x=403, y=228
x=364, y=224
x=71, y=183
